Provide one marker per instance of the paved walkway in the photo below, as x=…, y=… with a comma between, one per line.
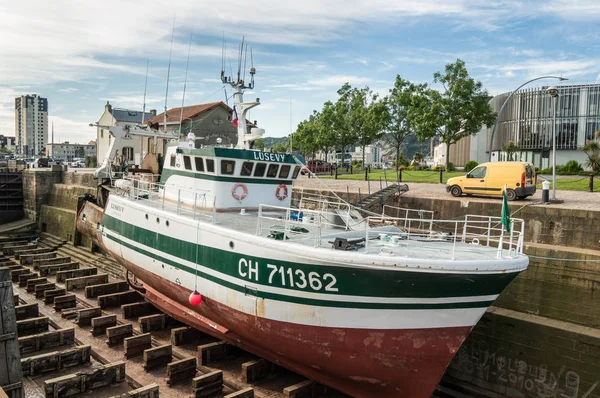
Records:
x=15, y=226
x=572, y=199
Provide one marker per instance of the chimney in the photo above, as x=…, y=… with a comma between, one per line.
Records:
x=153, y=112
x=256, y=124
x=108, y=107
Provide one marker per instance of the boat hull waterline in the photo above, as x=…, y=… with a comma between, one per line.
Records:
x=369, y=347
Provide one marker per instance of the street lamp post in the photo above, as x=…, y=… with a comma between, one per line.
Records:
x=553, y=92
x=509, y=97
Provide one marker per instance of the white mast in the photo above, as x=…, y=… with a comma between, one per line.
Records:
x=240, y=106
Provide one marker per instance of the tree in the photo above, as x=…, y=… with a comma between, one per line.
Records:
x=592, y=151
x=306, y=137
x=367, y=117
x=459, y=111
x=259, y=144
x=510, y=147
x=418, y=157
x=279, y=148
x=5, y=150
x=398, y=121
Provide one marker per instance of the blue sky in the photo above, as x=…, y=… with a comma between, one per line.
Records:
x=80, y=54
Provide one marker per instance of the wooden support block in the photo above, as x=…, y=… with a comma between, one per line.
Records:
x=52, y=269
x=117, y=299
x=208, y=385
x=84, y=316
x=66, y=301
x=15, y=273
x=100, y=324
x=149, y=391
x=16, y=299
x=31, y=326
x=49, y=295
x=12, y=267
x=18, y=254
x=83, y=281
x=10, y=250
x=56, y=360
x=12, y=243
x=245, y=393
x=38, y=342
x=135, y=310
x=106, y=288
x=303, y=389
x=184, y=334
x=24, y=277
x=149, y=323
x=81, y=382
x=116, y=334
x=27, y=311
x=42, y=287
x=27, y=259
x=256, y=370
x=212, y=352
x=184, y=369
x=157, y=356
x=62, y=276
x=136, y=345
x=69, y=313
x=31, y=283
x=51, y=261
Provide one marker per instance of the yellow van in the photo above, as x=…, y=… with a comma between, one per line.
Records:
x=490, y=178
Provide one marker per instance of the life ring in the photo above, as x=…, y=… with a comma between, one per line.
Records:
x=235, y=191
x=279, y=194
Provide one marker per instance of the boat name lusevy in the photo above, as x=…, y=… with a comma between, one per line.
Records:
x=269, y=157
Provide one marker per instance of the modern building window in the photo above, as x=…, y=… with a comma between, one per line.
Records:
x=210, y=165
x=227, y=167
x=247, y=168
x=259, y=170
x=285, y=171
x=272, y=171
x=187, y=163
x=199, y=164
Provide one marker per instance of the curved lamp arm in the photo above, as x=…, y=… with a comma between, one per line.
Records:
x=509, y=97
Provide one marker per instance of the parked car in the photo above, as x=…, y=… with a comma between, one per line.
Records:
x=491, y=178
x=317, y=166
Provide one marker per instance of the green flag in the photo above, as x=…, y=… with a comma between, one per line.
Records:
x=505, y=212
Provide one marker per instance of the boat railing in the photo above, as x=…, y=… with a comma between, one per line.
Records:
x=401, y=213
x=182, y=201
x=473, y=229
x=283, y=223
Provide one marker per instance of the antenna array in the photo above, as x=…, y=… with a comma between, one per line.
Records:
x=242, y=58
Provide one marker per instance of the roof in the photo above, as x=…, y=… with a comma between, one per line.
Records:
x=191, y=111
x=127, y=115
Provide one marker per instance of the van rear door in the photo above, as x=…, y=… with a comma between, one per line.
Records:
x=529, y=175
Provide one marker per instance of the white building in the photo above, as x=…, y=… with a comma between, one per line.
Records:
x=31, y=125
x=130, y=151
x=68, y=151
x=373, y=155
x=7, y=143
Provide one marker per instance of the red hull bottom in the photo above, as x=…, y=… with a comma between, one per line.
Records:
x=359, y=362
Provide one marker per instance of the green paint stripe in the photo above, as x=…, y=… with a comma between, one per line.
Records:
x=241, y=154
x=302, y=300
x=351, y=281
x=166, y=173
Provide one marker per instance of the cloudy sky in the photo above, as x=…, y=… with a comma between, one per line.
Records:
x=80, y=54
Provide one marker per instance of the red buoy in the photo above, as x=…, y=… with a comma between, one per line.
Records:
x=195, y=298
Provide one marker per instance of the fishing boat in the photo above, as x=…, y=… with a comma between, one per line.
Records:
x=371, y=305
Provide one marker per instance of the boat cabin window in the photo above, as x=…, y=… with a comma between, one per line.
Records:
x=187, y=162
x=272, y=171
x=199, y=164
x=247, y=168
x=296, y=171
x=227, y=167
x=210, y=165
x=173, y=160
x=285, y=171
x=259, y=171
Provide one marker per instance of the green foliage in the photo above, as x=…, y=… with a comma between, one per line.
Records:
x=259, y=144
x=571, y=168
x=5, y=150
x=438, y=168
x=459, y=111
x=418, y=157
x=279, y=148
x=450, y=167
x=471, y=164
x=422, y=167
x=510, y=148
x=592, y=151
x=90, y=161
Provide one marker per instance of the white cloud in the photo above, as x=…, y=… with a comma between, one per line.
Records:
x=67, y=90
x=70, y=130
